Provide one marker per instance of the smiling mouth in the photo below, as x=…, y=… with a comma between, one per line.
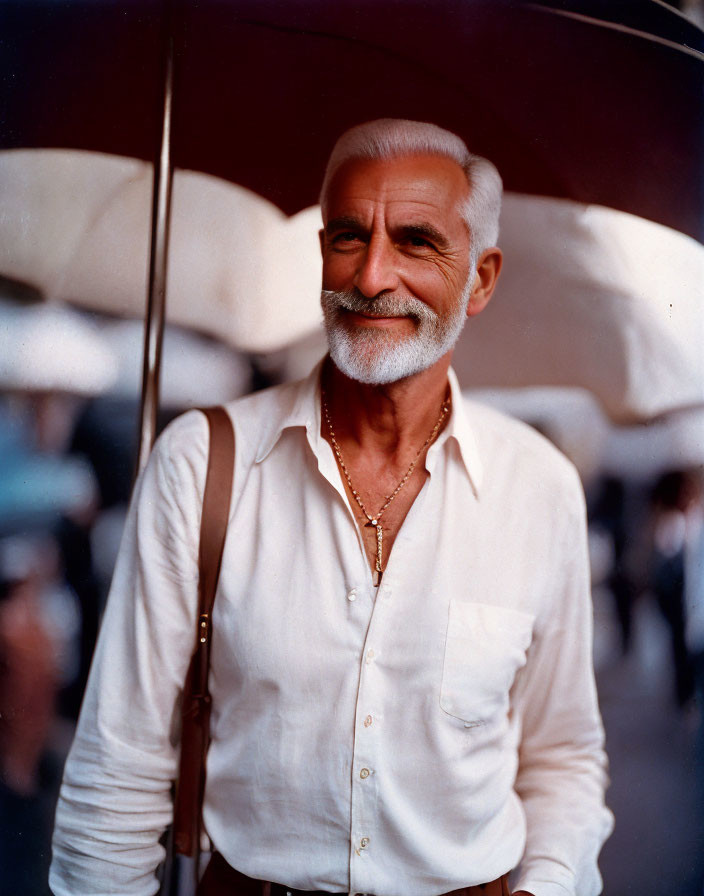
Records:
x=379, y=323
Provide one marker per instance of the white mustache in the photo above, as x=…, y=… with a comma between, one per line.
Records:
x=381, y=306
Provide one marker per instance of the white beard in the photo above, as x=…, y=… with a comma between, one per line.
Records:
x=377, y=356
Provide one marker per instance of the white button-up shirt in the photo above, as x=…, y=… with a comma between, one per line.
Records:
x=404, y=741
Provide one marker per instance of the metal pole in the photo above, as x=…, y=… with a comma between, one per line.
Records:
x=158, y=261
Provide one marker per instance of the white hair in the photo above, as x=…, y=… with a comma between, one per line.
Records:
x=388, y=138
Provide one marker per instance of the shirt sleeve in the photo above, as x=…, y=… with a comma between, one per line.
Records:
x=562, y=772
x=115, y=800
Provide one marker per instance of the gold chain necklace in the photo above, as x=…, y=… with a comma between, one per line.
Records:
x=374, y=519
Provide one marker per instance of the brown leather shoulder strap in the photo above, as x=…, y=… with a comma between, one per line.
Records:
x=213, y=530
x=195, y=710
x=216, y=503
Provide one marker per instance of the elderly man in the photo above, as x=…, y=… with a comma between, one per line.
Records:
x=401, y=674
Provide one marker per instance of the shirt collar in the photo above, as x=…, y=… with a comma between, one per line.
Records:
x=459, y=429
x=303, y=409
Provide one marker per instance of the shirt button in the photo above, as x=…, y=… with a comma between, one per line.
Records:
x=367, y=721
x=386, y=590
x=352, y=595
x=364, y=842
x=364, y=773
x=370, y=656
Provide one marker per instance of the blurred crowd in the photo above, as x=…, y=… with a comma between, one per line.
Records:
x=69, y=407
x=647, y=543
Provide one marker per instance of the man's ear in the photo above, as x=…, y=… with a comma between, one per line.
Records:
x=488, y=270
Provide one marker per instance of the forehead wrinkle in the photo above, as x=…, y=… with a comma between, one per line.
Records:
x=417, y=208
x=410, y=206
x=420, y=173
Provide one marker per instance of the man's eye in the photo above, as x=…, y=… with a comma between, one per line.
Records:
x=419, y=242
x=346, y=236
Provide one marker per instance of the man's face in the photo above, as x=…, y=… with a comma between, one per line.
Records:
x=396, y=258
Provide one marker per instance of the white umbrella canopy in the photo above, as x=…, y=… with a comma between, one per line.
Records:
x=593, y=298
x=76, y=226
x=589, y=297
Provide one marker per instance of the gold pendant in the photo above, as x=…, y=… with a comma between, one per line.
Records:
x=379, y=548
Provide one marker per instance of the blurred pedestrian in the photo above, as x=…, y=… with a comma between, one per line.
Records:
x=674, y=501
x=29, y=680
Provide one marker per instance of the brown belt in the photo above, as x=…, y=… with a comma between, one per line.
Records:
x=220, y=879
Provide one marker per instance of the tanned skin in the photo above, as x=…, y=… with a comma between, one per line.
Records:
x=394, y=227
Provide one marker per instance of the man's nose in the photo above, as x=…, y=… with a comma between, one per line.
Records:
x=377, y=271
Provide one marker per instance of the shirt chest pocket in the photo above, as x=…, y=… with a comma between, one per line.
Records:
x=485, y=648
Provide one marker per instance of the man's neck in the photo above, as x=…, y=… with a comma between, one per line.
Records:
x=392, y=419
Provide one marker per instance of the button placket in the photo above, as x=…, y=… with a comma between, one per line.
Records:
x=364, y=791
